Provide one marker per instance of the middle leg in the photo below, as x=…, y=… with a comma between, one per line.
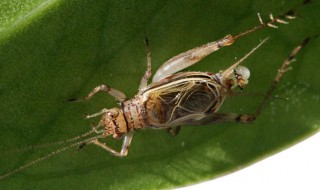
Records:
x=120, y=96
x=147, y=74
x=174, y=131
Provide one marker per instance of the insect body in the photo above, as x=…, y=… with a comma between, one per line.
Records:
x=184, y=98
x=174, y=98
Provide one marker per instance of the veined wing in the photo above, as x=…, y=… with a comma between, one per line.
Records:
x=181, y=98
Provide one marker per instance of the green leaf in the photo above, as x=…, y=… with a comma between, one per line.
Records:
x=53, y=50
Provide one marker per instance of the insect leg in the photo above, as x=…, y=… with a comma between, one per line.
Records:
x=120, y=96
x=190, y=57
x=284, y=68
x=280, y=19
x=211, y=118
x=124, y=149
x=147, y=74
x=174, y=131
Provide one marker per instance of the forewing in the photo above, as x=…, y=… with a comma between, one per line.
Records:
x=182, y=99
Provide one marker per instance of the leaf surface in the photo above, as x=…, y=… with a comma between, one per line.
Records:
x=53, y=50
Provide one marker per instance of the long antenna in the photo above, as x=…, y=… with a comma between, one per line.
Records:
x=51, y=154
x=45, y=145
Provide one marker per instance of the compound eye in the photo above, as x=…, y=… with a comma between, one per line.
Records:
x=243, y=71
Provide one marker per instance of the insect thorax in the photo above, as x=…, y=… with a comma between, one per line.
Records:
x=134, y=112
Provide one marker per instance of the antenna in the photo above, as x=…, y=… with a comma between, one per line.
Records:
x=51, y=154
x=45, y=145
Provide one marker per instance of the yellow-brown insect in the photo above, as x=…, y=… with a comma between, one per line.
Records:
x=175, y=98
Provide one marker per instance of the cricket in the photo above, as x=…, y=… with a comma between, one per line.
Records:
x=175, y=98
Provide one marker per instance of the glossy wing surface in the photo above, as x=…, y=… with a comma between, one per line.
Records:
x=185, y=97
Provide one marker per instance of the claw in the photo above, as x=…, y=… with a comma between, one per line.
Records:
x=86, y=116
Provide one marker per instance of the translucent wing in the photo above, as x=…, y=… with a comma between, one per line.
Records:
x=187, y=97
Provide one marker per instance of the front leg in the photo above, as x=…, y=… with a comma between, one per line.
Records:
x=124, y=149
